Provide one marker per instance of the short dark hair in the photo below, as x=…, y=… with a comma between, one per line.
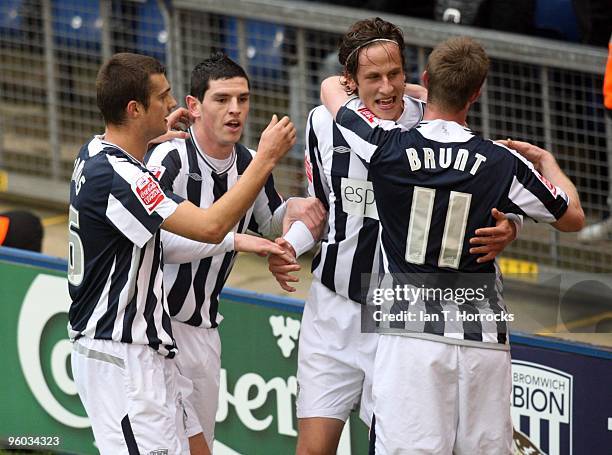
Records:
x=217, y=66
x=123, y=78
x=359, y=35
x=457, y=68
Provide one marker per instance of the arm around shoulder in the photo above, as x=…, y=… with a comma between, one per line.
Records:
x=546, y=164
x=333, y=94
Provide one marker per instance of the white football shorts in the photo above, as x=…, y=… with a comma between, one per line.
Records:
x=132, y=397
x=437, y=398
x=335, y=359
x=199, y=360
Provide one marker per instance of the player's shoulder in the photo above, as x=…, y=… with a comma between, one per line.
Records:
x=160, y=151
x=506, y=153
x=94, y=156
x=447, y=132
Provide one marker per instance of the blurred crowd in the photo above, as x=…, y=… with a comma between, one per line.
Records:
x=582, y=21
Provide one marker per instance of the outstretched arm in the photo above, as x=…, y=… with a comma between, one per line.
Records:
x=212, y=224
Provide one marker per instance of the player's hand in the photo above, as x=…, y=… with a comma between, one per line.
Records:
x=530, y=152
x=281, y=268
x=309, y=211
x=493, y=240
x=262, y=247
x=276, y=140
x=177, y=122
x=180, y=119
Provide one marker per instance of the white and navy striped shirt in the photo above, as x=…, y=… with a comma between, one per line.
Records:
x=339, y=179
x=115, y=263
x=435, y=185
x=193, y=288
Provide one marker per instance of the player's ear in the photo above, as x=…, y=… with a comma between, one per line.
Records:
x=476, y=95
x=425, y=79
x=133, y=109
x=193, y=105
x=350, y=84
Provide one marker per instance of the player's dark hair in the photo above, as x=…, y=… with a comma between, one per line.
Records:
x=217, y=66
x=457, y=68
x=357, y=38
x=123, y=78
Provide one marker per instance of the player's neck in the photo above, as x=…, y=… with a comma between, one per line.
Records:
x=211, y=147
x=129, y=140
x=434, y=112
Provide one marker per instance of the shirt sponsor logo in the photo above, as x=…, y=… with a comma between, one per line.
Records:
x=552, y=188
x=308, y=168
x=540, y=393
x=149, y=193
x=367, y=114
x=358, y=198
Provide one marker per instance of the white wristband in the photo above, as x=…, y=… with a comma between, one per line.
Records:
x=300, y=238
x=517, y=220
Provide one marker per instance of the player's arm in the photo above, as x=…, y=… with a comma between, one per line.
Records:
x=299, y=239
x=333, y=94
x=180, y=250
x=364, y=132
x=416, y=91
x=544, y=162
x=212, y=224
x=273, y=217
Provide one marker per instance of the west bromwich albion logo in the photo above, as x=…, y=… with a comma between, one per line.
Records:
x=540, y=393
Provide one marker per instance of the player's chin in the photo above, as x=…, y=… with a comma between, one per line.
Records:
x=234, y=135
x=389, y=112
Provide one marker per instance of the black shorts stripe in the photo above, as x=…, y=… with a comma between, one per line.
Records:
x=372, y=442
x=128, y=435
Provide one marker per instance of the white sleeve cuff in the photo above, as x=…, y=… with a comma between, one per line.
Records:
x=300, y=238
x=181, y=250
x=276, y=223
x=517, y=220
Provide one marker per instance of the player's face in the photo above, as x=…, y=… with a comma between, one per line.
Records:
x=380, y=80
x=161, y=103
x=224, y=110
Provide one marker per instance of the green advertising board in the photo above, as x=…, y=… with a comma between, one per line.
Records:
x=256, y=413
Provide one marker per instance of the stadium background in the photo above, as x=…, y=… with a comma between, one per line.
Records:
x=547, y=92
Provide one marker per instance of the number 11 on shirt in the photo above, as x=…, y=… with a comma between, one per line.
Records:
x=454, y=227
